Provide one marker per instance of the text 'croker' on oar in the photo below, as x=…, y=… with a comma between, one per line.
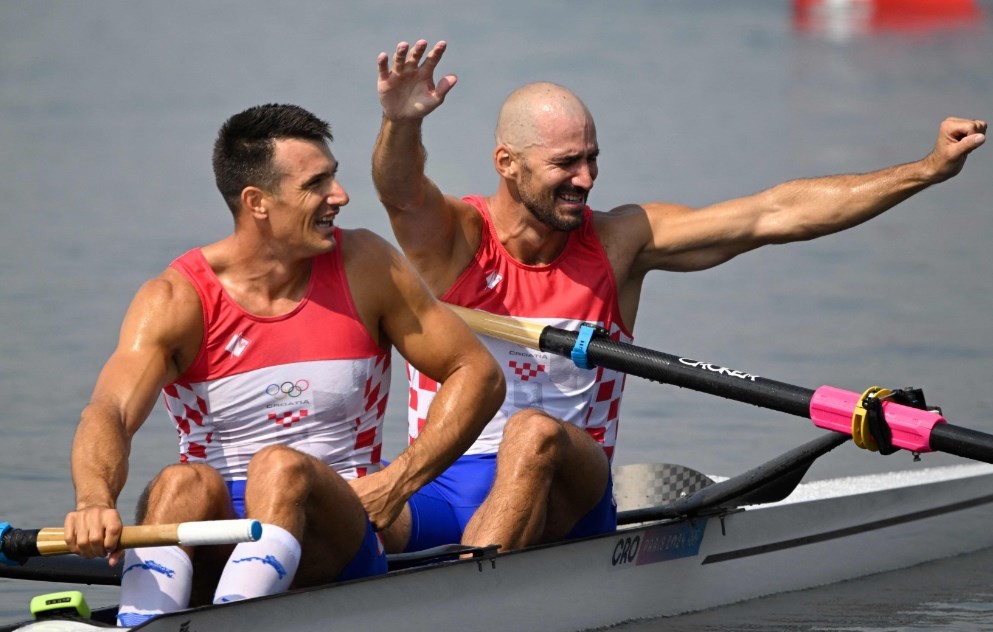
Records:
x=881, y=419
x=17, y=545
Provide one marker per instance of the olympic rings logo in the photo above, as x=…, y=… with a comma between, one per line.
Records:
x=287, y=389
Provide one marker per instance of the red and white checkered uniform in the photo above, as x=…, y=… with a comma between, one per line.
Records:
x=577, y=287
x=312, y=379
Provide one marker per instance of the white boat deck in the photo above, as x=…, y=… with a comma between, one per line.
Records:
x=850, y=485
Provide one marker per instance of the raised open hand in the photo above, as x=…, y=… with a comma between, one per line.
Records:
x=407, y=91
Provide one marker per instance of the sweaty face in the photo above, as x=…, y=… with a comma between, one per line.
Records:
x=542, y=201
x=557, y=174
x=555, y=189
x=304, y=207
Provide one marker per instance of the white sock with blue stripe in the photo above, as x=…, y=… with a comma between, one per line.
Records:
x=264, y=567
x=154, y=580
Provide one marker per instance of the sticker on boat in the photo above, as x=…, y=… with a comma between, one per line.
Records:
x=661, y=543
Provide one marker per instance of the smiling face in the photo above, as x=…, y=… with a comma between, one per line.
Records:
x=557, y=174
x=547, y=152
x=301, y=210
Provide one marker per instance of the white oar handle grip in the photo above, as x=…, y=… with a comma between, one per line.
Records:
x=218, y=532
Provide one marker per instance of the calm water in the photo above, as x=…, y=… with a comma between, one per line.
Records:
x=108, y=111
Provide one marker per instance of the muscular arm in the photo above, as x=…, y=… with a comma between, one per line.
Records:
x=161, y=324
x=422, y=217
x=680, y=238
x=657, y=236
x=434, y=230
x=436, y=342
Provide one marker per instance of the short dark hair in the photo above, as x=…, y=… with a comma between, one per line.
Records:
x=245, y=146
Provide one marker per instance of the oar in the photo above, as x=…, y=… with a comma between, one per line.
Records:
x=769, y=482
x=18, y=545
x=828, y=407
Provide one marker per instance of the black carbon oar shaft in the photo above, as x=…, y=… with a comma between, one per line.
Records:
x=669, y=369
x=833, y=409
x=963, y=442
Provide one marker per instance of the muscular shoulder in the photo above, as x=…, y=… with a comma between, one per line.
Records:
x=468, y=216
x=166, y=312
x=363, y=247
x=657, y=229
x=170, y=292
x=623, y=230
x=373, y=265
x=636, y=220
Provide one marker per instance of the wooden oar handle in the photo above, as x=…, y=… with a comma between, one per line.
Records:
x=506, y=328
x=51, y=541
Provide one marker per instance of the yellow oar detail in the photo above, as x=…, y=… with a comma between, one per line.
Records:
x=861, y=434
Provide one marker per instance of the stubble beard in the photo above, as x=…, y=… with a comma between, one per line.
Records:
x=542, y=205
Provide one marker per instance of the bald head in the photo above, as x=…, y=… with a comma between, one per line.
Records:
x=531, y=112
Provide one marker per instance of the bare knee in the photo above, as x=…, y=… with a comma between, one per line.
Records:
x=278, y=469
x=303, y=495
x=534, y=431
x=534, y=445
x=535, y=440
x=277, y=459
x=187, y=491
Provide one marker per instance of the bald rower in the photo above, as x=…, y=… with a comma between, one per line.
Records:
x=540, y=471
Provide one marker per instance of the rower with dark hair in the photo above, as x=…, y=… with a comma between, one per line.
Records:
x=271, y=349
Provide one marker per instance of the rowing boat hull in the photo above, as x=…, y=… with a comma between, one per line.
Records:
x=652, y=570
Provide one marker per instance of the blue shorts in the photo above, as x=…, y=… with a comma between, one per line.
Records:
x=368, y=561
x=441, y=509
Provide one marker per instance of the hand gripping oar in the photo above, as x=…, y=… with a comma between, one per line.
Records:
x=828, y=407
x=17, y=545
